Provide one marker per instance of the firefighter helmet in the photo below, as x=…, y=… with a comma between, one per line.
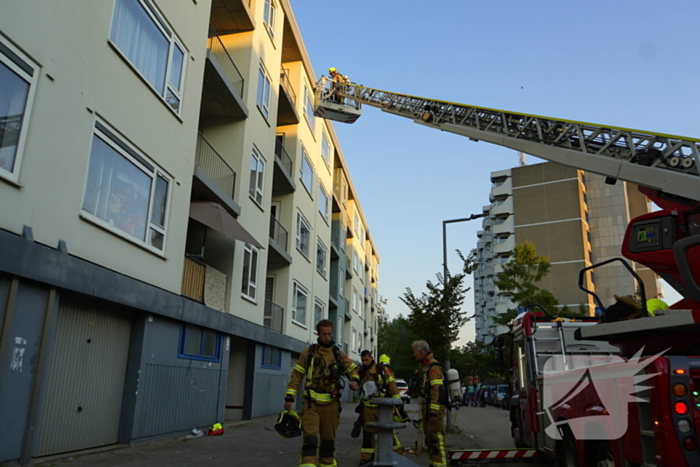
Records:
x=384, y=359
x=332, y=70
x=288, y=424
x=654, y=304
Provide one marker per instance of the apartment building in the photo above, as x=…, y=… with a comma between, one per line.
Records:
x=573, y=218
x=173, y=220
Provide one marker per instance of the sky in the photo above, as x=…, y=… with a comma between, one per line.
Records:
x=621, y=63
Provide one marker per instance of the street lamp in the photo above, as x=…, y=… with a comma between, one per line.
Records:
x=448, y=424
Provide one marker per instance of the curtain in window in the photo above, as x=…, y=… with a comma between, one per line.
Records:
x=13, y=100
x=141, y=41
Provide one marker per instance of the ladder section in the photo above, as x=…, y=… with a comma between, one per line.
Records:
x=660, y=161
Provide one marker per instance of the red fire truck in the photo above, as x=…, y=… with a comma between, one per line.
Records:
x=617, y=394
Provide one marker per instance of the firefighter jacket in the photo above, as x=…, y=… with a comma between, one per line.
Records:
x=384, y=378
x=432, y=383
x=323, y=370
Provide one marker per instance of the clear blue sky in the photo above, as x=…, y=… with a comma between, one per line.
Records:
x=623, y=63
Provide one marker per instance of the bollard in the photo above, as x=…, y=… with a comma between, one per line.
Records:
x=384, y=455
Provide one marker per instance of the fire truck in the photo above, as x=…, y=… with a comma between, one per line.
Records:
x=613, y=394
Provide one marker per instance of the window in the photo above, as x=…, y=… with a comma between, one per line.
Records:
x=300, y=296
x=250, y=271
x=271, y=358
x=357, y=223
x=263, y=99
x=354, y=299
x=341, y=283
x=323, y=202
x=500, y=240
x=309, y=114
x=319, y=309
x=499, y=201
x=303, y=235
x=148, y=43
x=269, y=16
x=355, y=261
x=125, y=192
x=362, y=235
x=321, y=257
x=499, y=220
x=18, y=76
x=257, y=175
x=198, y=343
x=326, y=149
x=354, y=339
x=307, y=171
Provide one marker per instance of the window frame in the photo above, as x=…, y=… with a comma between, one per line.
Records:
x=318, y=302
x=252, y=282
x=259, y=188
x=265, y=81
x=273, y=350
x=168, y=31
x=301, y=220
x=306, y=159
x=323, y=194
x=270, y=16
x=309, y=110
x=141, y=161
x=181, y=353
x=355, y=261
x=28, y=71
x=296, y=289
x=326, y=149
x=320, y=246
x=355, y=298
x=341, y=283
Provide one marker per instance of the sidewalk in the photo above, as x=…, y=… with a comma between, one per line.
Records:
x=253, y=443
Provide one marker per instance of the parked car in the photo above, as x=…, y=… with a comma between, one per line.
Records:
x=490, y=399
x=505, y=403
x=501, y=391
x=403, y=390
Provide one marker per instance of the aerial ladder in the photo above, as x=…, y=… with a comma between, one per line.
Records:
x=668, y=241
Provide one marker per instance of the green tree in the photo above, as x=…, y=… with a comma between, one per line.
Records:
x=521, y=275
x=394, y=339
x=436, y=316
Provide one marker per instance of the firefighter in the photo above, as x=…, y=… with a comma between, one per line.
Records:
x=323, y=364
x=432, y=410
x=385, y=383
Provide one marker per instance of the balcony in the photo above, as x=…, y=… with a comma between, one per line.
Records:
x=214, y=180
x=501, y=225
x=504, y=246
x=204, y=284
x=232, y=16
x=282, y=181
x=278, y=255
x=502, y=206
x=502, y=186
x=222, y=90
x=348, y=312
x=286, y=110
x=274, y=316
x=336, y=228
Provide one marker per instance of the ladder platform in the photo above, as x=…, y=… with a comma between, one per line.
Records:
x=496, y=456
x=685, y=321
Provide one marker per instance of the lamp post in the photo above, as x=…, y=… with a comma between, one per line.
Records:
x=448, y=423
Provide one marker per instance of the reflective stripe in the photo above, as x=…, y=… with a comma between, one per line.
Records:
x=319, y=396
x=367, y=450
x=441, y=450
x=307, y=465
x=300, y=369
x=396, y=396
x=390, y=379
x=334, y=464
x=434, y=407
x=436, y=381
x=292, y=392
x=351, y=367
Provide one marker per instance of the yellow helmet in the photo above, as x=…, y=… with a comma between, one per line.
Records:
x=654, y=304
x=332, y=70
x=384, y=358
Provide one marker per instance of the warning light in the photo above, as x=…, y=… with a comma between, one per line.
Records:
x=681, y=408
x=680, y=371
x=680, y=390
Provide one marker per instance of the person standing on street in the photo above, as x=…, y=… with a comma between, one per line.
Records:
x=385, y=386
x=432, y=410
x=323, y=364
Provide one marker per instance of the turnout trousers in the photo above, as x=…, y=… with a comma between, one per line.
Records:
x=319, y=423
x=434, y=436
x=369, y=440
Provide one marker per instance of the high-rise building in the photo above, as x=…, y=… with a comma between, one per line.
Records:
x=174, y=220
x=573, y=218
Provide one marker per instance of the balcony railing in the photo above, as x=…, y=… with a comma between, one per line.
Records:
x=193, y=279
x=287, y=85
x=204, y=284
x=283, y=157
x=219, y=50
x=335, y=235
x=212, y=164
x=274, y=316
x=278, y=233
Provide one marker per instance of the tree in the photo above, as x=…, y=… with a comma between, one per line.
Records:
x=521, y=275
x=437, y=316
x=394, y=339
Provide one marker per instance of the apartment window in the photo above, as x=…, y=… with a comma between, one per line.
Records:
x=323, y=202
x=271, y=358
x=250, y=271
x=125, y=192
x=354, y=299
x=303, y=235
x=343, y=235
x=309, y=114
x=500, y=240
x=357, y=223
x=319, y=308
x=362, y=235
x=355, y=261
x=269, y=16
x=263, y=99
x=141, y=33
x=257, y=175
x=354, y=339
x=321, y=252
x=341, y=283
x=198, y=343
x=307, y=171
x=344, y=191
x=326, y=149
x=299, y=296
x=18, y=76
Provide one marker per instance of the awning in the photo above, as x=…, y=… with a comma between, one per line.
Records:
x=213, y=215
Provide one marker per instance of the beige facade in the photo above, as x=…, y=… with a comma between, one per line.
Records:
x=574, y=219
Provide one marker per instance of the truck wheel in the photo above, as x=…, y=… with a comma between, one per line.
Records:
x=604, y=457
x=566, y=450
